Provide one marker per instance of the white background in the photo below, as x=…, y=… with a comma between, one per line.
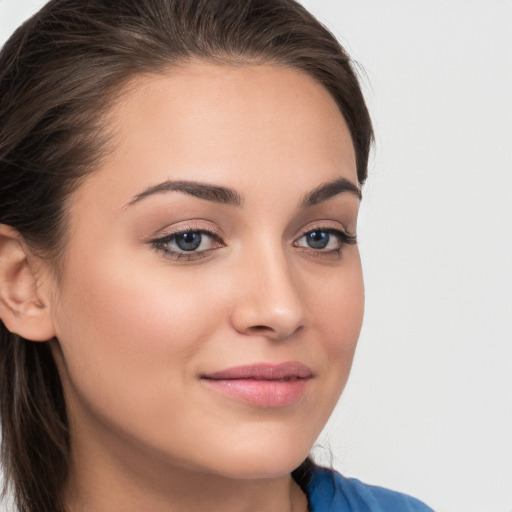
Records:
x=428, y=409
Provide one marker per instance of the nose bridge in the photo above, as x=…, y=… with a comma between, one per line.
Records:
x=271, y=302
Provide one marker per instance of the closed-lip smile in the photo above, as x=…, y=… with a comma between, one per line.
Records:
x=262, y=384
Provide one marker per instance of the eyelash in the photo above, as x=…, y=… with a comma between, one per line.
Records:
x=162, y=243
x=343, y=237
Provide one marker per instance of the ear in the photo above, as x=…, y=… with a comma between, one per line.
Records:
x=23, y=307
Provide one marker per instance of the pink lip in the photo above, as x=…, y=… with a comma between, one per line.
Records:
x=263, y=384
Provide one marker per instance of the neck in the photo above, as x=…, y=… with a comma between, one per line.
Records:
x=199, y=493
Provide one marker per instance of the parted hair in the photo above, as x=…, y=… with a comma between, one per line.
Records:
x=60, y=73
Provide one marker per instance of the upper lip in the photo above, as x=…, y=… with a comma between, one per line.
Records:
x=263, y=371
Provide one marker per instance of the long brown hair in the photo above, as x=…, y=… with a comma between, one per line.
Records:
x=59, y=74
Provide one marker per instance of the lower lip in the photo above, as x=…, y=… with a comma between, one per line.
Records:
x=262, y=393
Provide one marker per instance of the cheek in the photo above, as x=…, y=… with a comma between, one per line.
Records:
x=338, y=309
x=126, y=331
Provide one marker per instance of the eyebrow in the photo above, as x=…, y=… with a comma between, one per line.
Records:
x=330, y=189
x=213, y=193
x=224, y=195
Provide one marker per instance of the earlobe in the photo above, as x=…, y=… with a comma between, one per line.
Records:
x=23, y=310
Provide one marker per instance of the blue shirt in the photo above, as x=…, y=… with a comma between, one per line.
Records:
x=329, y=491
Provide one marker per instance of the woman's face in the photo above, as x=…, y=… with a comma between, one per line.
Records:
x=211, y=302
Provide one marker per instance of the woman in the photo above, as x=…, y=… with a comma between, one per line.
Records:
x=180, y=286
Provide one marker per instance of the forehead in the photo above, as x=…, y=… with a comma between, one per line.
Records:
x=229, y=125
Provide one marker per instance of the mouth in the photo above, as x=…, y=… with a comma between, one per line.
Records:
x=262, y=384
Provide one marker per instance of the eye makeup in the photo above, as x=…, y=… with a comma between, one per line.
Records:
x=190, y=243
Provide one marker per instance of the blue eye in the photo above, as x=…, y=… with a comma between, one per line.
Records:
x=188, y=245
x=188, y=241
x=325, y=241
x=317, y=239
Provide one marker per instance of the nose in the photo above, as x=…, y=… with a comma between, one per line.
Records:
x=269, y=303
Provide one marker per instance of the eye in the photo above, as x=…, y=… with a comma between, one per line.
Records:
x=188, y=244
x=328, y=240
x=188, y=241
x=319, y=239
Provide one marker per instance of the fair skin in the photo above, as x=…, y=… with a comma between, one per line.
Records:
x=265, y=279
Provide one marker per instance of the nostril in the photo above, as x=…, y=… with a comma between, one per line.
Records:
x=265, y=330
x=260, y=329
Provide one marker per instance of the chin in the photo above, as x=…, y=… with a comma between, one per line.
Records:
x=259, y=460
